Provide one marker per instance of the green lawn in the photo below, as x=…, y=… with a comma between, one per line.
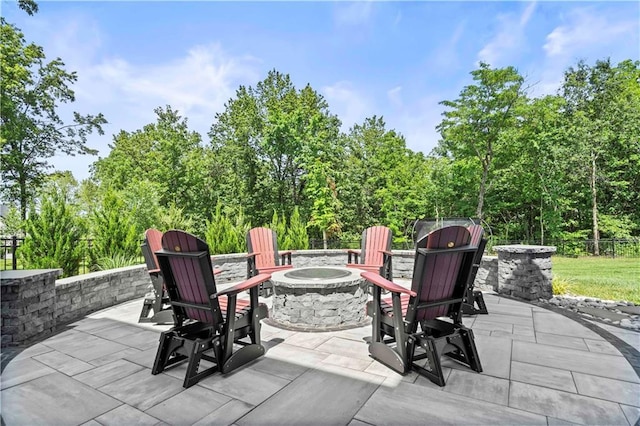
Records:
x=601, y=277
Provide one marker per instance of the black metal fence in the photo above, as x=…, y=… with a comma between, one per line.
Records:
x=608, y=248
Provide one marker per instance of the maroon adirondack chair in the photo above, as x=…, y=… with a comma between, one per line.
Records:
x=155, y=307
x=406, y=326
x=209, y=323
x=156, y=301
x=375, y=253
x=474, y=301
x=263, y=256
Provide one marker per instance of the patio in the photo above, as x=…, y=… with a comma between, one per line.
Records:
x=540, y=367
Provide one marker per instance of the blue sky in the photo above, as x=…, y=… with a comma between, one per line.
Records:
x=392, y=59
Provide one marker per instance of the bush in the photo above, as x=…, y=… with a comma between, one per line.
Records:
x=116, y=261
x=53, y=236
x=114, y=233
x=223, y=235
x=296, y=237
x=560, y=286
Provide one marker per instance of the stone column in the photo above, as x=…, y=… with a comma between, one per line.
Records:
x=525, y=271
x=28, y=305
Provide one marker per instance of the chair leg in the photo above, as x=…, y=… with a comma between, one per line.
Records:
x=463, y=349
x=434, y=373
x=147, y=306
x=478, y=299
x=166, y=355
x=196, y=349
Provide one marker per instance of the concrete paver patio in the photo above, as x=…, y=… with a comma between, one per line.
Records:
x=540, y=367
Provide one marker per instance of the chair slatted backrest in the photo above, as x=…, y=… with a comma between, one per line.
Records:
x=263, y=241
x=375, y=239
x=443, y=262
x=477, y=234
x=153, y=242
x=185, y=263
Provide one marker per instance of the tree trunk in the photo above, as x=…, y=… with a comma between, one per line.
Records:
x=483, y=188
x=324, y=238
x=594, y=209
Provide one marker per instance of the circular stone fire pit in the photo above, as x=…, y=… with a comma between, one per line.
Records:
x=318, y=299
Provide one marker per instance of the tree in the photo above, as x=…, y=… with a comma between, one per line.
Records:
x=476, y=123
x=167, y=160
x=113, y=231
x=32, y=131
x=53, y=236
x=602, y=113
x=383, y=182
x=264, y=139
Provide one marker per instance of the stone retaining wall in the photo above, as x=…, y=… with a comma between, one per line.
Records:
x=28, y=305
x=34, y=303
x=77, y=296
x=234, y=266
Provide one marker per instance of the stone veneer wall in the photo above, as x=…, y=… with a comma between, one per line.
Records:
x=234, y=266
x=34, y=303
x=82, y=294
x=28, y=305
x=525, y=271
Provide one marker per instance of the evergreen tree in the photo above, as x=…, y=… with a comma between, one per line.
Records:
x=114, y=233
x=53, y=236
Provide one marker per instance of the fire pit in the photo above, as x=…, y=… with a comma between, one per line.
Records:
x=318, y=299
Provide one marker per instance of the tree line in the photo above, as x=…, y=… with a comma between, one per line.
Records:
x=561, y=166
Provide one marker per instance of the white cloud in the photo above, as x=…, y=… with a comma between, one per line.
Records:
x=395, y=97
x=353, y=13
x=197, y=83
x=586, y=28
x=445, y=55
x=509, y=37
x=585, y=33
x=349, y=105
x=417, y=122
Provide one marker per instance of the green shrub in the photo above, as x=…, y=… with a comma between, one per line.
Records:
x=115, y=261
x=296, y=237
x=113, y=229
x=279, y=224
x=53, y=236
x=224, y=235
x=560, y=286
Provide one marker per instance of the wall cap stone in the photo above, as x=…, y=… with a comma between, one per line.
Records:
x=7, y=277
x=522, y=248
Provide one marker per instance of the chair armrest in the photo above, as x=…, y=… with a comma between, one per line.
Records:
x=385, y=284
x=254, y=254
x=386, y=252
x=243, y=286
x=217, y=271
x=285, y=255
x=154, y=271
x=352, y=254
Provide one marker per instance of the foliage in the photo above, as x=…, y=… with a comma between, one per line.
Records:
x=478, y=122
x=116, y=261
x=175, y=218
x=224, y=235
x=12, y=223
x=32, y=131
x=53, y=236
x=263, y=142
x=114, y=233
x=296, y=237
x=279, y=224
x=560, y=286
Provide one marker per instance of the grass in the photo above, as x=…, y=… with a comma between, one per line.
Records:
x=600, y=277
